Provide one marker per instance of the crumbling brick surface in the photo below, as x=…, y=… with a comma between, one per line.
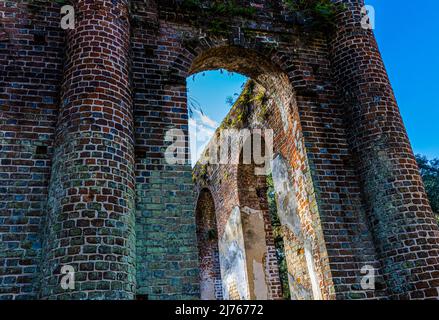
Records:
x=207, y=239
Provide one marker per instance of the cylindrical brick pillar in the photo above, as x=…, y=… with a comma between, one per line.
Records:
x=405, y=232
x=90, y=225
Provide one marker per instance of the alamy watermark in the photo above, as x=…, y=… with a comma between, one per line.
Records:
x=369, y=278
x=229, y=147
x=68, y=278
x=367, y=17
x=68, y=18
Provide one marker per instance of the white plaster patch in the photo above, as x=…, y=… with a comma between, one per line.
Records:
x=298, y=292
x=207, y=288
x=256, y=251
x=283, y=114
x=286, y=196
x=311, y=270
x=261, y=288
x=232, y=257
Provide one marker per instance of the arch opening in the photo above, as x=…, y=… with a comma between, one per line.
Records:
x=251, y=68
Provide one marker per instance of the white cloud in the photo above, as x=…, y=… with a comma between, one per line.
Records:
x=206, y=120
x=201, y=130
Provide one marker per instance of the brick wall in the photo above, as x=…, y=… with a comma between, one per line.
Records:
x=403, y=225
x=167, y=259
x=207, y=239
x=31, y=69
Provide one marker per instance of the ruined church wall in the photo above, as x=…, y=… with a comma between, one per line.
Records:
x=166, y=251
x=299, y=248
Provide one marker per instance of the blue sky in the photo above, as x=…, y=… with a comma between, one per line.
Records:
x=210, y=91
x=408, y=37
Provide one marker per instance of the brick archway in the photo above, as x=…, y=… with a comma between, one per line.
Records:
x=95, y=191
x=238, y=186
x=271, y=68
x=276, y=84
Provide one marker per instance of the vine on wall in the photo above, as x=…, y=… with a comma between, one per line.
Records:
x=237, y=118
x=219, y=7
x=216, y=16
x=317, y=14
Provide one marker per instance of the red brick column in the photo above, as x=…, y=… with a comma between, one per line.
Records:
x=405, y=232
x=91, y=196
